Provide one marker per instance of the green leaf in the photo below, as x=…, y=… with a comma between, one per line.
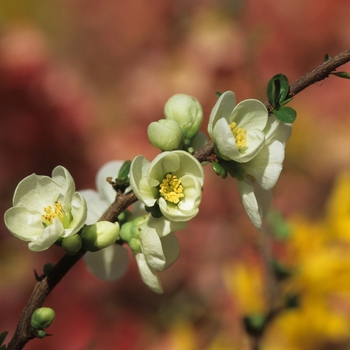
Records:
x=344, y=75
x=286, y=101
x=285, y=114
x=3, y=335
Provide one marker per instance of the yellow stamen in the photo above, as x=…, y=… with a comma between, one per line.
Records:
x=55, y=212
x=171, y=189
x=240, y=137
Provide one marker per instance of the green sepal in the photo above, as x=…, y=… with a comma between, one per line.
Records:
x=254, y=324
x=155, y=211
x=218, y=94
x=327, y=57
x=344, y=75
x=277, y=90
x=292, y=301
x=124, y=169
x=3, y=335
x=219, y=170
x=279, y=226
x=233, y=168
x=285, y=114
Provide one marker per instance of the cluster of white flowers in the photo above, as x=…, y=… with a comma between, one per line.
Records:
x=248, y=143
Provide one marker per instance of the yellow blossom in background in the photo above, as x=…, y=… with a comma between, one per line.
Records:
x=246, y=283
x=338, y=208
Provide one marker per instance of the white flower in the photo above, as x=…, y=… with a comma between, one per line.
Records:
x=154, y=245
x=45, y=209
x=173, y=181
x=262, y=172
x=237, y=131
x=112, y=262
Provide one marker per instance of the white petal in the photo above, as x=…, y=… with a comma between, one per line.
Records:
x=79, y=213
x=162, y=164
x=23, y=223
x=95, y=206
x=148, y=275
x=225, y=141
x=171, y=249
x=164, y=226
x=36, y=192
x=139, y=181
x=64, y=180
x=105, y=190
x=250, y=114
x=222, y=109
x=152, y=248
x=250, y=204
x=108, y=264
x=49, y=236
x=267, y=165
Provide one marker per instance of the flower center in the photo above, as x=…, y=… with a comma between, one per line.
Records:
x=171, y=189
x=56, y=212
x=240, y=137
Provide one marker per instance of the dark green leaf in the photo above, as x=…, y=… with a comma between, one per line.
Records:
x=344, y=75
x=286, y=101
x=285, y=114
x=277, y=90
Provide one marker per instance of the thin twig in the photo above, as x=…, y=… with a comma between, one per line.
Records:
x=43, y=288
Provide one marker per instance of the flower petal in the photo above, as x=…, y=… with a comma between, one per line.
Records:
x=164, y=226
x=171, y=249
x=36, y=192
x=152, y=248
x=148, y=275
x=79, y=213
x=108, y=264
x=105, y=190
x=222, y=109
x=49, y=236
x=164, y=163
x=95, y=205
x=250, y=114
x=250, y=204
x=139, y=183
x=23, y=223
x=64, y=180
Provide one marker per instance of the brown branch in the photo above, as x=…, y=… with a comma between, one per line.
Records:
x=43, y=288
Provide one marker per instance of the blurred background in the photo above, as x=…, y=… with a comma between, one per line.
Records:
x=79, y=83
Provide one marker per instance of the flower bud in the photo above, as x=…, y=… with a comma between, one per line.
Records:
x=100, y=235
x=187, y=111
x=42, y=318
x=72, y=244
x=165, y=135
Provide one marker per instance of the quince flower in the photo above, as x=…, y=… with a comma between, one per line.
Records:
x=257, y=177
x=154, y=245
x=173, y=181
x=111, y=262
x=237, y=131
x=158, y=252
x=46, y=209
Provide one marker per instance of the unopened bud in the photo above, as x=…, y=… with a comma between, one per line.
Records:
x=165, y=135
x=42, y=318
x=187, y=111
x=100, y=235
x=72, y=244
